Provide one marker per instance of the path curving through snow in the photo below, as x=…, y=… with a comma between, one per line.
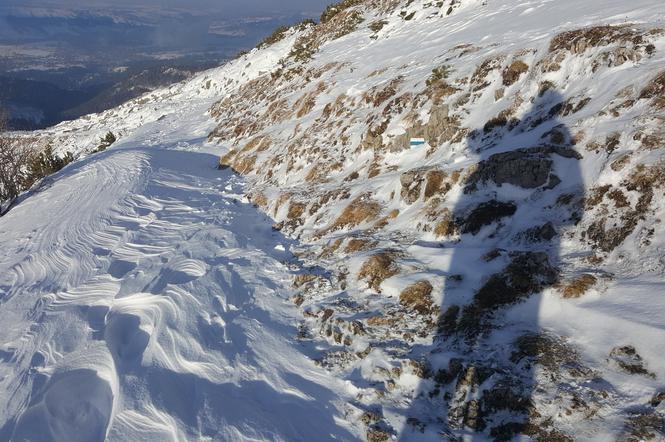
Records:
x=142, y=298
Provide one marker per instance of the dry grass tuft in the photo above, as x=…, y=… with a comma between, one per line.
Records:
x=360, y=210
x=304, y=278
x=318, y=173
x=446, y=225
x=513, y=72
x=620, y=163
x=296, y=210
x=378, y=95
x=383, y=222
x=577, y=41
x=377, y=435
x=418, y=297
x=596, y=195
x=259, y=199
x=330, y=249
x=359, y=245
x=227, y=160
x=479, y=77
x=578, y=286
x=259, y=144
x=435, y=183
x=656, y=89
x=377, y=269
x=339, y=21
x=645, y=178
x=619, y=198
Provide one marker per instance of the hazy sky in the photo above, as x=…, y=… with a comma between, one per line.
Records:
x=234, y=7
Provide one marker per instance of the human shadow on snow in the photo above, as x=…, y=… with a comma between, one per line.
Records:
x=510, y=219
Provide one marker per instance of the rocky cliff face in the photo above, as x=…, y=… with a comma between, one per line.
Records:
x=506, y=277
x=452, y=283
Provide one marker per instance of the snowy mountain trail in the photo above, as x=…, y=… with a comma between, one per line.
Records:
x=435, y=220
x=143, y=298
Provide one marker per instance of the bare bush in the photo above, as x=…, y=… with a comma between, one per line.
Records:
x=14, y=160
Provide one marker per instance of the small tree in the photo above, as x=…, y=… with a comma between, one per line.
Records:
x=43, y=164
x=109, y=138
x=105, y=142
x=21, y=165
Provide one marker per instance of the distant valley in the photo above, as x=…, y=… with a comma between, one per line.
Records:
x=57, y=64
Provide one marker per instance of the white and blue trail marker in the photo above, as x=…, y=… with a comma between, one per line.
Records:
x=416, y=142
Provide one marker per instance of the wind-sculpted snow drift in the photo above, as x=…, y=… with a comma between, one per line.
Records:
x=143, y=299
x=329, y=282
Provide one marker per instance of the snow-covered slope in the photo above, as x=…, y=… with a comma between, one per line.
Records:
x=503, y=280
x=143, y=298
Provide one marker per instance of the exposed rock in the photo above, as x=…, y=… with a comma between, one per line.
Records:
x=298, y=299
x=657, y=398
x=440, y=127
x=492, y=255
x=357, y=328
x=627, y=359
x=507, y=431
x=527, y=168
x=485, y=214
x=327, y=314
x=551, y=352
x=418, y=368
x=645, y=426
x=377, y=435
x=446, y=376
x=411, y=182
x=502, y=407
x=527, y=273
x=416, y=424
x=472, y=416
x=543, y=233
x=373, y=138
x=370, y=417
x=447, y=323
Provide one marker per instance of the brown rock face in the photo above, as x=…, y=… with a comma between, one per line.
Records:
x=527, y=168
x=411, y=182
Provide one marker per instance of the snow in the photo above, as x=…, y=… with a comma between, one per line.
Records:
x=144, y=297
